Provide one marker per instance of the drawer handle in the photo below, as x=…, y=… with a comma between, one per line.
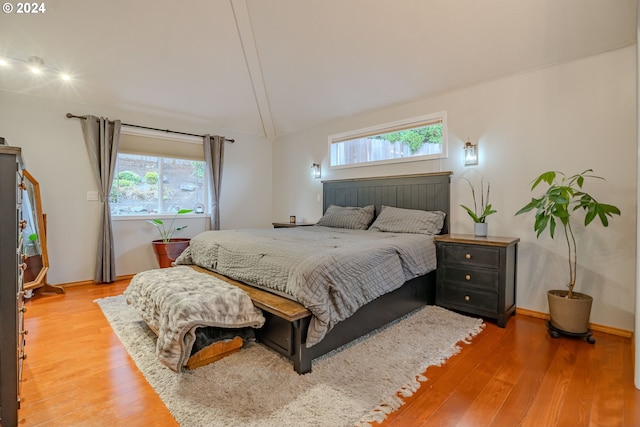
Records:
x=23, y=356
x=23, y=266
x=468, y=277
x=23, y=309
x=468, y=256
x=23, y=224
x=24, y=332
x=22, y=185
x=467, y=298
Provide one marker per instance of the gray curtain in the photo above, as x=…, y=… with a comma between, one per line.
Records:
x=214, y=157
x=101, y=137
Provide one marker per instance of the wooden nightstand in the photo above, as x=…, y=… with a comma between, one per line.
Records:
x=477, y=275
x=291, y=224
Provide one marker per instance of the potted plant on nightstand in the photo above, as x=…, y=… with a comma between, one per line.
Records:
x=168, y=248
x=569, y=311
x=479, y=216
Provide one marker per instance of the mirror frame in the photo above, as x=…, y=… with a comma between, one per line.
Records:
x=40, y=279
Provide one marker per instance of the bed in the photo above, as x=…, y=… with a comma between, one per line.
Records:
x=343, y=277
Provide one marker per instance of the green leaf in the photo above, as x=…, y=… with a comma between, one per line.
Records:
x=471, y=213
x=547, y=177
x=534, y=203
x=609, y=209
x=603, y=219
x=167, y=232
x=488, y=211
x=591, y=214
x=541, y=223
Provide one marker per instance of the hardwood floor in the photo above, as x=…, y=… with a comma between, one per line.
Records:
x=78, y=374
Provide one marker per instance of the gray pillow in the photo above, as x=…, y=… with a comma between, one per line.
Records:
x=347, y=217
x=398, y=220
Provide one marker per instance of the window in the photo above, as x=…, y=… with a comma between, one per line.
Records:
x=419, y=138
x=148, y=180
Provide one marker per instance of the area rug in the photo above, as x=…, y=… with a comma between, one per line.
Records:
x=358, y=384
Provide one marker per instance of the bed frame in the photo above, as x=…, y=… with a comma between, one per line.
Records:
x=287, y=321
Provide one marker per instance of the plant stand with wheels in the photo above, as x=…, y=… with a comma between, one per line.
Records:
x=555, y=333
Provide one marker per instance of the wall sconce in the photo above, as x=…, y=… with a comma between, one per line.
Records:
x=315, y=171
x=470, y=153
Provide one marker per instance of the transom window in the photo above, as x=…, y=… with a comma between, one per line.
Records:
x=418, y=138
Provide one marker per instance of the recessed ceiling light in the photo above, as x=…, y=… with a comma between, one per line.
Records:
x=36, y=64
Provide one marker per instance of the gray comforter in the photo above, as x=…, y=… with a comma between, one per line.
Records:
x=331, y=271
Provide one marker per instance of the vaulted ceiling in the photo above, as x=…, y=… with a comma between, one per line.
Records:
x=273, y=67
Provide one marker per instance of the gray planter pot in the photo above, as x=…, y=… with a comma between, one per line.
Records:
x=569, y=315
x=480, y=229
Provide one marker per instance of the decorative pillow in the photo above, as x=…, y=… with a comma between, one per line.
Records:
x=398, y=220
x=347, y=217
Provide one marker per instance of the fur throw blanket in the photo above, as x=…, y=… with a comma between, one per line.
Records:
x=175, y=301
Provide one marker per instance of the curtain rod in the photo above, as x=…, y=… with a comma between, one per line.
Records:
x=72, y=116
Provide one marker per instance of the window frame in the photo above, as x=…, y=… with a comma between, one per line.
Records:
x=405, y=124
x=178, y=139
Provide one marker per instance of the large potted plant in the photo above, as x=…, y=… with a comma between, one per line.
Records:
x=479, y=214
x=569, y=310
x=168, y=248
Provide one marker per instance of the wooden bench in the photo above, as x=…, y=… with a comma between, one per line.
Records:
x=284, y=330
x=282, y=307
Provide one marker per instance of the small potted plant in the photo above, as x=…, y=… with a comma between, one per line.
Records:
x=168, y=248
x=569, y=310
x=479, y=215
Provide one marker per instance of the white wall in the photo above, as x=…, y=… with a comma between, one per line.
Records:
x=637, y=324
x=55, y=154
x=568, y=117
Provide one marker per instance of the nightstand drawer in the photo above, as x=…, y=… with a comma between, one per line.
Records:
x=471, y=277
x=468, y=300
x=482, y=256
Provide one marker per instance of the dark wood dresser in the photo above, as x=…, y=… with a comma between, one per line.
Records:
x=11, y=283
x=477, y=275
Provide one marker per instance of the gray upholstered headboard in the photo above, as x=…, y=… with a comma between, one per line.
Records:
x=429, y=192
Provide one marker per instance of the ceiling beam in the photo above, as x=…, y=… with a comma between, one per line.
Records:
x=245, y=32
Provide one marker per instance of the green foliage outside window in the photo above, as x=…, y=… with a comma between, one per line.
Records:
x=151, y=184
x=198, y=169
x=167, y=194
x=125, y=186
x=151, y=177
x=414, y=138
x=129, y=176
x=133, y=193
x=124, y=183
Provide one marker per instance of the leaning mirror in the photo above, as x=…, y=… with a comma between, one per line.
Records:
x=34, y=237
